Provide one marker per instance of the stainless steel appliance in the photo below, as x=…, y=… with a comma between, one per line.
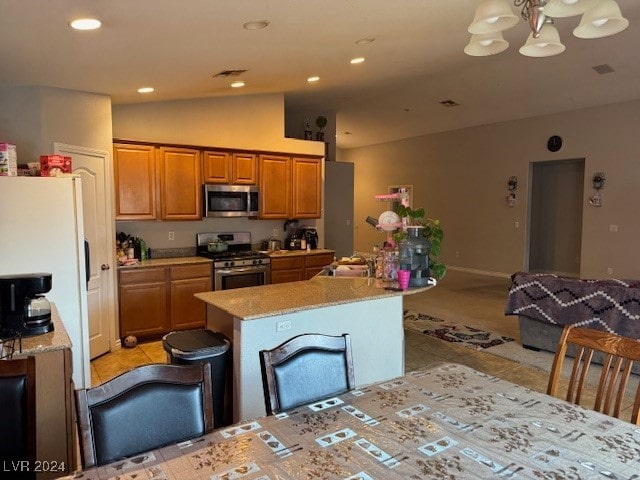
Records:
x=230, y=201
x=239, y=265
x=23, y=308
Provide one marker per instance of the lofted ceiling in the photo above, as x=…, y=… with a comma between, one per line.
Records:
x=415, y=62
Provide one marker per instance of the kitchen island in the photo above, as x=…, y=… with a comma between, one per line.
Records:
x=259, y=318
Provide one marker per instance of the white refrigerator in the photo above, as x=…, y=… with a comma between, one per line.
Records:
x=41, y=230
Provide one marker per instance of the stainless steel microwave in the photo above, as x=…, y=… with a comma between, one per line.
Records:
x=230, y=201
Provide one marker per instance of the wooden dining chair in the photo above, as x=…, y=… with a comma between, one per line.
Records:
x=18, y=414
x=305, y=369
x=143, y=409
x=619, y=354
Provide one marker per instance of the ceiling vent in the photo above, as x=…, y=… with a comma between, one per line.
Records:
x=449, y=103
x=229, y=73
x=602, y=69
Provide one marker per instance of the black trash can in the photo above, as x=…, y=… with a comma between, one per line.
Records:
x=199, y=346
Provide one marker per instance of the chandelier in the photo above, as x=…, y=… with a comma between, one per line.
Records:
x=600, y=18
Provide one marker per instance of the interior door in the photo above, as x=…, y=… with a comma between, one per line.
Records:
x=555, y=217
x=91, y=166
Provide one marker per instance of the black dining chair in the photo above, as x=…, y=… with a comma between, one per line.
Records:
x=145, y=408
x=305, y=369
x=18, y=416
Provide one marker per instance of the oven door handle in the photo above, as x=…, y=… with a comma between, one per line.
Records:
x=239, y=270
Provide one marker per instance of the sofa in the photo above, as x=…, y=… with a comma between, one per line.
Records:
x=545, y=303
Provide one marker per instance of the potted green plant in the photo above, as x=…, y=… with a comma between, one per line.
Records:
x=321, y=122
x=432, y=231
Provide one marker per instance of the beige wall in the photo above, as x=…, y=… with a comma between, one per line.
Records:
x=245, y=122
x=461, y=177
x=35, y=117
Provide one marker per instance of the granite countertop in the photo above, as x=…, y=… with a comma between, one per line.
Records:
x=251, y=303
x=297, y=253
x=163, y=262
x=47, y=342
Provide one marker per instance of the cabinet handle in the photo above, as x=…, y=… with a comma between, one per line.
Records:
x=104, y=266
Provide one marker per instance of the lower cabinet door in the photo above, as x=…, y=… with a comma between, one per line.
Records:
x=186, y=310
x=143, y=309
x=284, y=276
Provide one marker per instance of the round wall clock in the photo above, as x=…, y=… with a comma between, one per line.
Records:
x=554, y=143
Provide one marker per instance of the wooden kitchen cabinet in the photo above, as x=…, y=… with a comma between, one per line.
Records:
x=306, y=193
x=313, y=264
x=186, y=310
x=143, y=302
x=275, y=186
x=230, y=168
x=244, y=169
x=158, y=300
x=290, y=187
x=287, y=269
x=293, y=268
x=135, y=181
x=180, y=183
x=216, y=167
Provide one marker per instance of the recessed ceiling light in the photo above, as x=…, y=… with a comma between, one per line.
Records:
x=146, y=89
x=238, y=84
x=364, y=41
x=313, y=79
x=357, y=60
x=256, y=25
x=85, y=24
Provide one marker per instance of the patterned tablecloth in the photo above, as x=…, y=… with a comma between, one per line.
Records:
x=448, y=421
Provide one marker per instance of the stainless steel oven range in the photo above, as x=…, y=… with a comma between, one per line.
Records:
x=235, y=264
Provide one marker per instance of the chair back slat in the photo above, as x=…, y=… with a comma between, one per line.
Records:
x=619, y=354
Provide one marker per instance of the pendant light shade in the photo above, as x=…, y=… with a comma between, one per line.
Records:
x=483, y=45
x=546, y=45
x=493, y=16
x=568, y=8
x=602, y=20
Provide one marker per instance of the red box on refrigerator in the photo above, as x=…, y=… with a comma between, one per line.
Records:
x=52, y=165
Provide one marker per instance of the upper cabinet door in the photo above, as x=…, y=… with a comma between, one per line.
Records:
x=275, y=186
x=307, y=182
x=135, y=182
x=180, y=183
x=244, y=169
x=217, y=167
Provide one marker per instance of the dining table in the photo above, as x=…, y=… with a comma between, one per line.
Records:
x=447, y=421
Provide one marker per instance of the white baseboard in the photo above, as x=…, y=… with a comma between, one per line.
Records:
x=479, y=272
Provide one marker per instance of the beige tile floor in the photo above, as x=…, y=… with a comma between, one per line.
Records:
x=477, y=300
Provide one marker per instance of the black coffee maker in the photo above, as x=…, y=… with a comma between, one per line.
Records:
x=23, y=308
x=311, y=236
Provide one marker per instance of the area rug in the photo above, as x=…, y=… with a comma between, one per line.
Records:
x=464, y=335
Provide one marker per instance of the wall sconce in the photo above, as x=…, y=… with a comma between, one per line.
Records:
x=512, y=185
x=597, y=180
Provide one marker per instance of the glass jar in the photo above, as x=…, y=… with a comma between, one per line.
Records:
x=389, y=265
x=414, y=256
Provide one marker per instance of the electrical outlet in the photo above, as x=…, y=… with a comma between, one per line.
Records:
x=516, y=224
x=275, y=232
x=609, y=271
x=613, y=228
x=457, y=253
x=172, y=235
x=282, y=326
